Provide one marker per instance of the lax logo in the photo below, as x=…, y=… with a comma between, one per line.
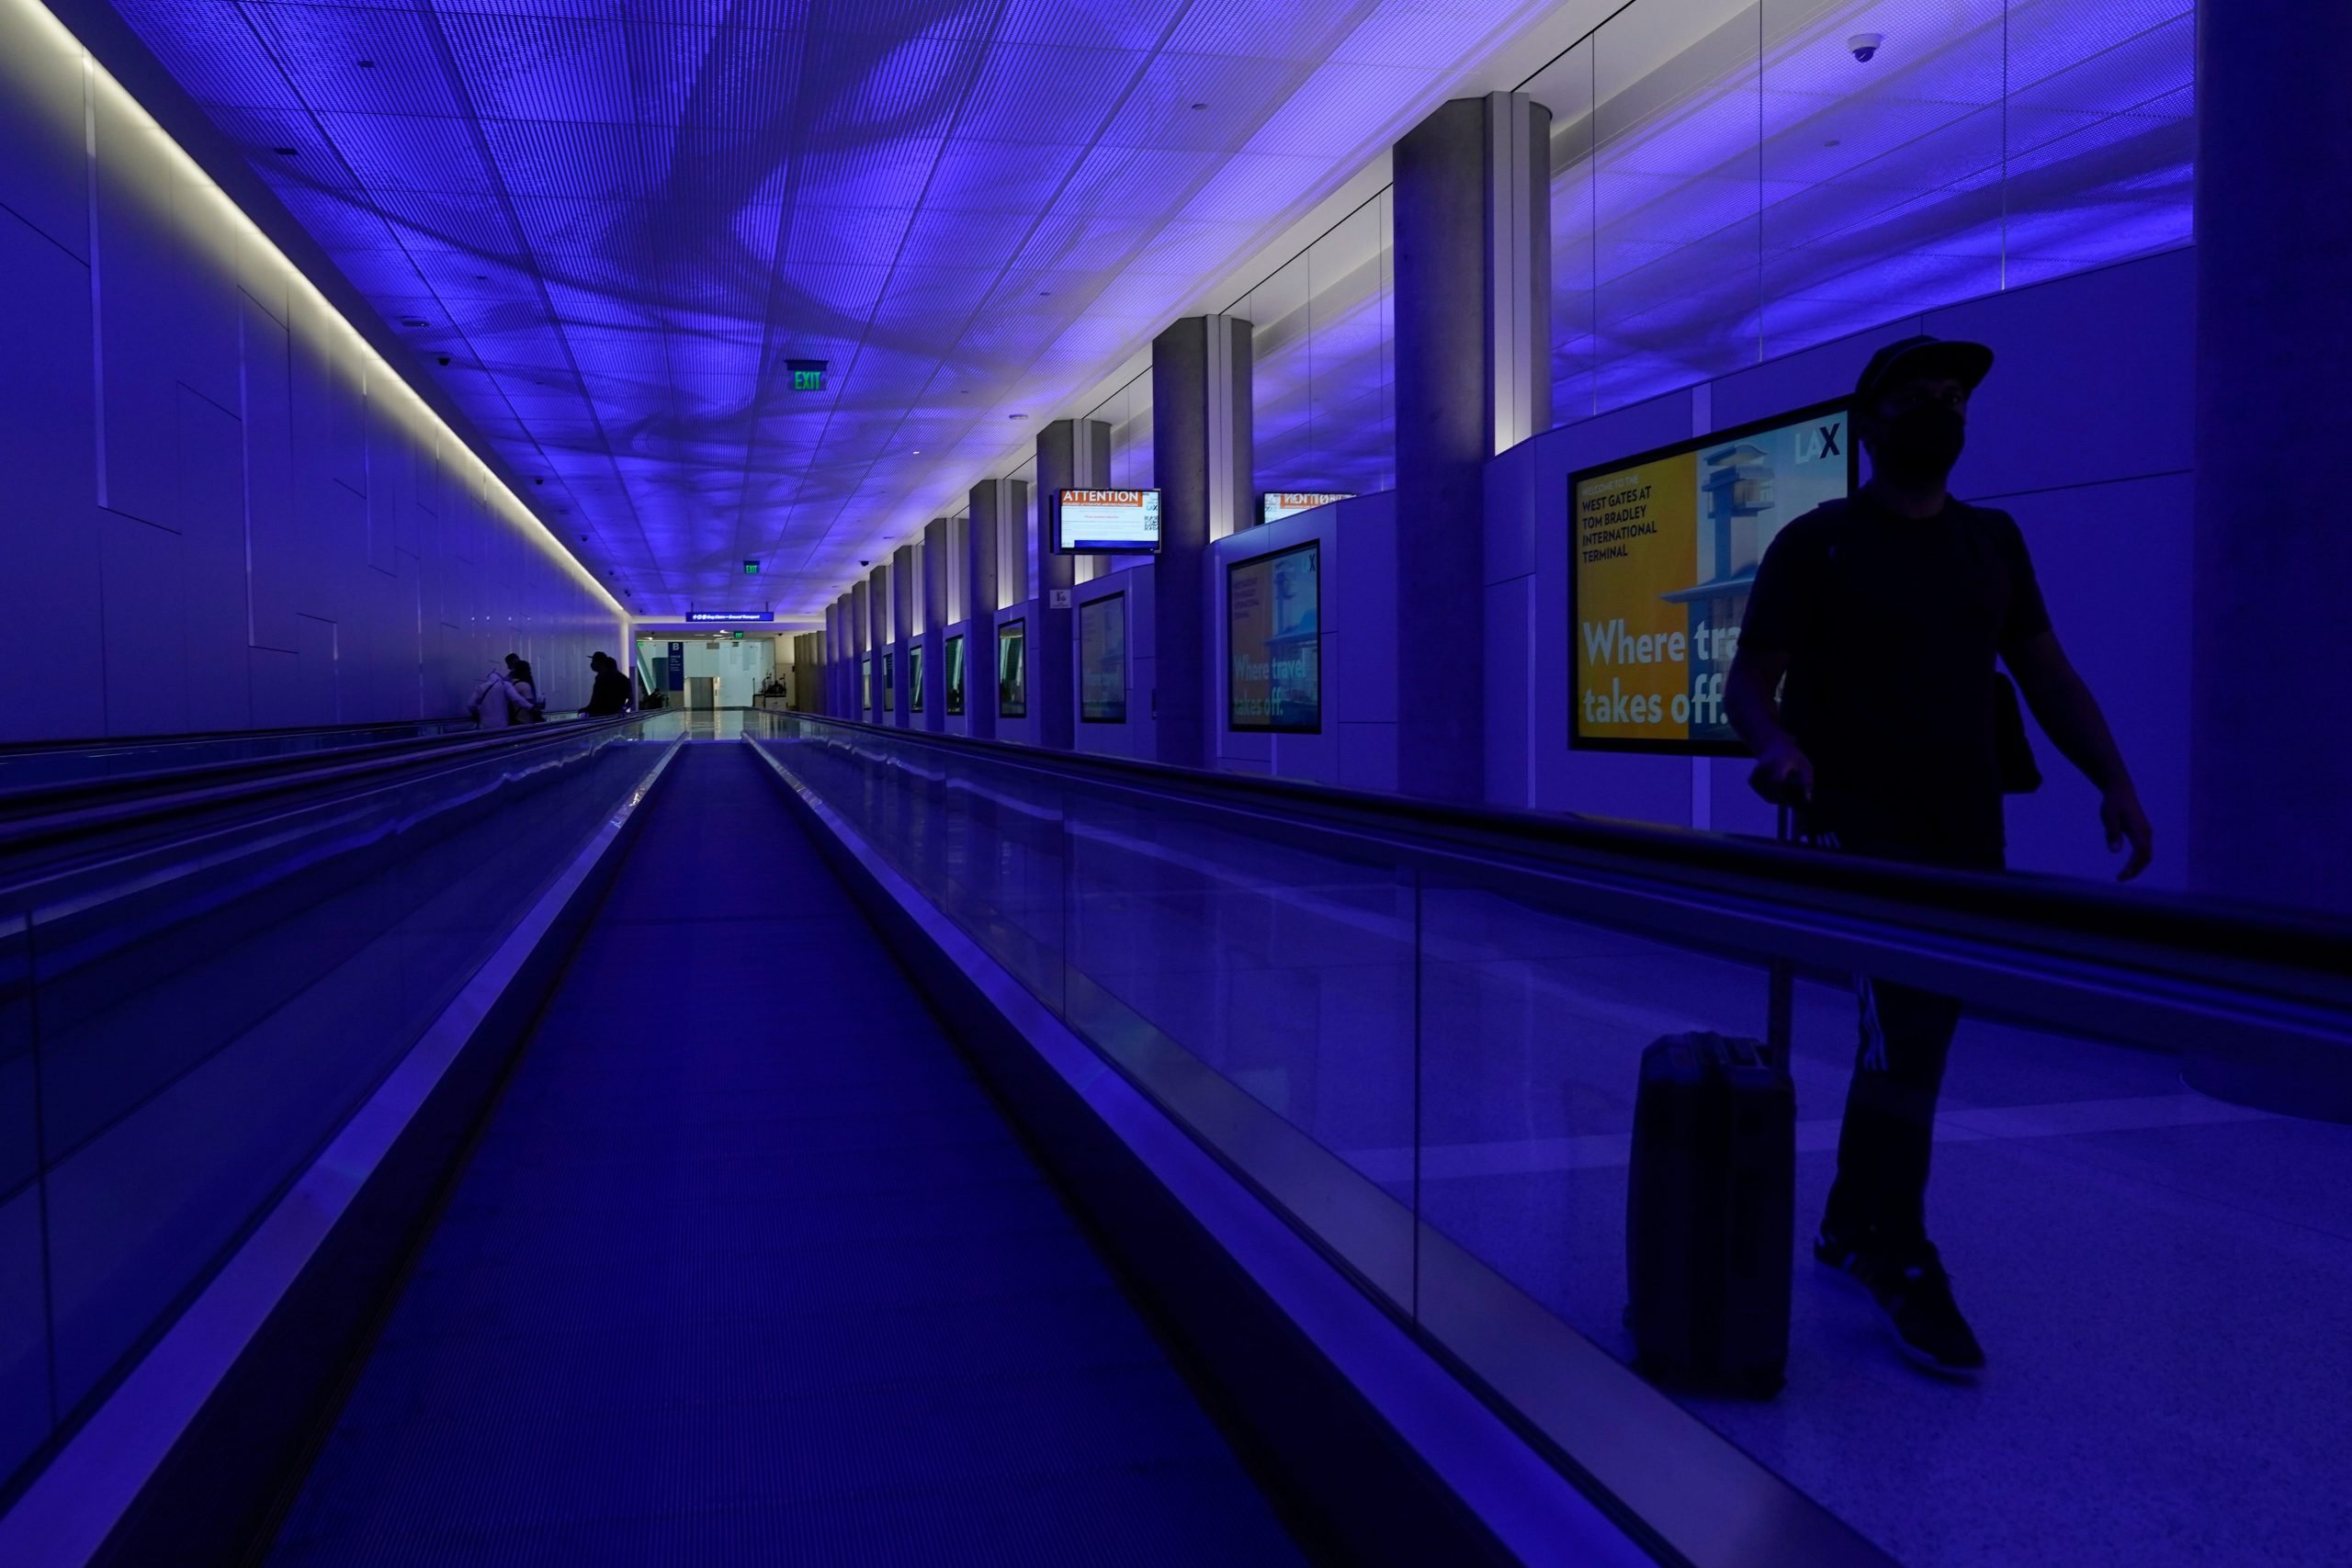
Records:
x=1825, y=442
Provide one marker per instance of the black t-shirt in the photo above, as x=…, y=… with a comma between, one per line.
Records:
x=610, y=694
x=1890, y=626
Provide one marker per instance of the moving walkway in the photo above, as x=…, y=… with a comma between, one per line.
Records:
x=847, y=1142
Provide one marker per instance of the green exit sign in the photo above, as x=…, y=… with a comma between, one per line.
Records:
x=750, y=568
x=808, y=375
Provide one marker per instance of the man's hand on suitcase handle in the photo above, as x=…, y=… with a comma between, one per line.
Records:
x=1783, y=774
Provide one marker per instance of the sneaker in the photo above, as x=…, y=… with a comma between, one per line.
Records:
x=1913, y=1293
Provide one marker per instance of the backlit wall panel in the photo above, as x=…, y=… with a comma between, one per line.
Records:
x=225, y=510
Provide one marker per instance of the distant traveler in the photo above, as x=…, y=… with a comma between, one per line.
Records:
x=534, y=707
x=611, y=693
x=1893, y=738
x=496, y=703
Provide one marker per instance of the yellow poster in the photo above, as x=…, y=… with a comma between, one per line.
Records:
x=1663, y=555
x=1634, y=542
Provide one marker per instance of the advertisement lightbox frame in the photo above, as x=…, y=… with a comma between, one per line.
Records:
x=1841, y=406
x=1120, y=599
x=1226, y=605
x=1014, y=630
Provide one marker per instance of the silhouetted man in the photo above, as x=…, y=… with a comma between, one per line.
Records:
x=610, y=694
x=1885, y=614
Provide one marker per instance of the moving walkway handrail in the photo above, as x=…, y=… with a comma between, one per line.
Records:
x=14, y=748
x=2119, y=957
x=183, y=794
x=34, y=800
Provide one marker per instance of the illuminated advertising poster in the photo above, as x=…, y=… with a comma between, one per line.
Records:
x=914, y=679
x=1103, y=660
x=1012, y=671
x=865, y=680
x=1273, y=648
x=1097, y=521
x=954, y=675
x=889, y=683
x=1663, y=549
x=1277, y=504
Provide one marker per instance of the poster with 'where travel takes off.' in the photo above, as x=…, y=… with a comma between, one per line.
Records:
x=1662, y=554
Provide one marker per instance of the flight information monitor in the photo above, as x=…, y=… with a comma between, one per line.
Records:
x=1100, y=522
x=1662, y=552
x=1273, y=646
x=1277, y=504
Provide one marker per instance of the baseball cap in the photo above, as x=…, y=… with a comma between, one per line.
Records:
x=1909, y=358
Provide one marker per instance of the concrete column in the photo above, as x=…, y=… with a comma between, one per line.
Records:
x=992, y=502
x=1202, y=459
x=861, y=644
x=830, y=690
x=935, y=540
x=2270, y=756
x=877, y=638
x=902, y=635
x=1071, y=455
x=2270, y=782
x=841, y=689
x=1473, y=304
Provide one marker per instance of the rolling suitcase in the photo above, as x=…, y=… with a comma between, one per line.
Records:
x=1711, y=1203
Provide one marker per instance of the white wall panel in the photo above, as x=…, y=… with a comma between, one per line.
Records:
x=140, y=649
x=203, y=303
x=320, y=690
x=45, y=179
x=49, y=593
x=290, y=529
x=212, y=566
x=276, y=546
x=133, y=282
x=276, y=675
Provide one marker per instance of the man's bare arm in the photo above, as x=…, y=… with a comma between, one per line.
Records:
x=2070, y=715
x=1783, y=774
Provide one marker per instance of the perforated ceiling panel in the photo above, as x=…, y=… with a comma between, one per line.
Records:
x=619, y=220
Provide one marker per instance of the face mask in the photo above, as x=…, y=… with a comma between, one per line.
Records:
x=1920, y=443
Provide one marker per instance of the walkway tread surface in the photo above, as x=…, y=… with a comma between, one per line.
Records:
x=747, y=1268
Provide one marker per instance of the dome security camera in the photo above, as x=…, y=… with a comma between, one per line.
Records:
x=1865, y=45
x=866, y=563
x=441, y=358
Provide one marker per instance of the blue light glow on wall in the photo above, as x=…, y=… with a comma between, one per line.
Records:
x=1730, y=184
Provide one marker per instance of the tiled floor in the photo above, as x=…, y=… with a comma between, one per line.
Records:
x=747, y=1270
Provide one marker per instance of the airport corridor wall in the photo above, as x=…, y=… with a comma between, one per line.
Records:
x=2083, y=432
x=223, y=510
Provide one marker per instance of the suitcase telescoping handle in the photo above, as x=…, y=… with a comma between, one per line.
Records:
x=1780, y=986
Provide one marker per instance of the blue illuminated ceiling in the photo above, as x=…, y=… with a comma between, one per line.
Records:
x=618, y=218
